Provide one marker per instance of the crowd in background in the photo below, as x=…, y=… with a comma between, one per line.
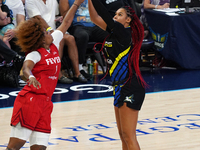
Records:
x=51, y=12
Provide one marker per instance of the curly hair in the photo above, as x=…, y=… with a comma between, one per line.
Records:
x=30, y=35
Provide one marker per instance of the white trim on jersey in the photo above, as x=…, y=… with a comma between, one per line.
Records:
x=36, y=57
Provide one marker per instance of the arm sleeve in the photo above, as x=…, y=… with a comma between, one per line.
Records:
x=33, y=56
x=103, y=12
x=57, y=37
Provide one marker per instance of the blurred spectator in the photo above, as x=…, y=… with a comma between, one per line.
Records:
x=6, y=24
x=46, y=11
x=152, y=4
x=156, y=4
x=10, y=61
x=83, y=30
x=9, y=57
x=17, y=14
x=17, y=11
x=10, y=65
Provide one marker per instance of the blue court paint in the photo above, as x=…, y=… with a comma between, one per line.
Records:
x=159, y=80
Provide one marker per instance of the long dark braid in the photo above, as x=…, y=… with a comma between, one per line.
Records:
x=137, y=38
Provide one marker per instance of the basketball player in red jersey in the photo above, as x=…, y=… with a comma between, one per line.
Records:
x=31, y=118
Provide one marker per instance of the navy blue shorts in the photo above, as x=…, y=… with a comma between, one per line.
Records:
x=133, y=93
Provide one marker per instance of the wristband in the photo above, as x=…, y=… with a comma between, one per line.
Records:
x=49, y=29
x=31, y=76
x=76, y=5
x=156, y=6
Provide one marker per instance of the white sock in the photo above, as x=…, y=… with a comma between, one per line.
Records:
x=80, y=66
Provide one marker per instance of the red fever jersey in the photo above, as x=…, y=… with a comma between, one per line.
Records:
x=33, y=107
x=46, y=71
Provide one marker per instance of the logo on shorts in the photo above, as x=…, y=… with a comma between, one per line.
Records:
x=129, y=99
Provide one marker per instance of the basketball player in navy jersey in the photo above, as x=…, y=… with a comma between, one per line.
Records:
x=122, y=49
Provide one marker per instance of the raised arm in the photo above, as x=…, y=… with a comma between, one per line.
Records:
x=95, y=18
x=69, y=16
x=100, y=15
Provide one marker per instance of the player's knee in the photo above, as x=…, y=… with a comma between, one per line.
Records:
x=127, y=137
x=15, y=144
x=69, y=38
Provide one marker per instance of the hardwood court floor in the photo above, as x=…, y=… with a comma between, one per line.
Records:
x=167, y=121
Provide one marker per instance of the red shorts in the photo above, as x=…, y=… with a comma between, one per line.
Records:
x=33, y=112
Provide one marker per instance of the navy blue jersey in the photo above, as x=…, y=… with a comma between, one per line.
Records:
x=116, y=49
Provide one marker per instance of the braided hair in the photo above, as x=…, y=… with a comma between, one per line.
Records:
x=137, y=38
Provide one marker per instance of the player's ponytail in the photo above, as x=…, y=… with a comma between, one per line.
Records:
x=137, y=38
